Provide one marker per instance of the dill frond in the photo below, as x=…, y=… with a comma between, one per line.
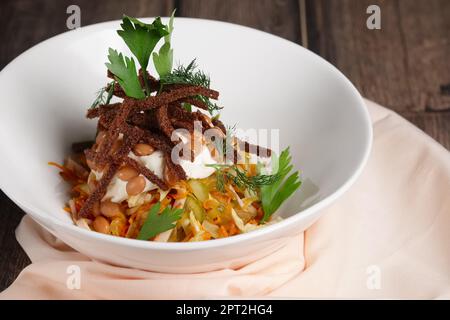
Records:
x=241, y=178
x=191, y=75
x=101, y=98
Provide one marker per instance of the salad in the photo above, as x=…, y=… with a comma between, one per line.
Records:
x=163, y=167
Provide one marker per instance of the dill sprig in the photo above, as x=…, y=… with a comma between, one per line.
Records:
x=187, y=75
x=104, y=96
x=220, y=181
x=213, y=108
x=225, y=145
x=191, y=75
x=241, y=178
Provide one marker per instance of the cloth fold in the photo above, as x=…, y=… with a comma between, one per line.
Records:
x=387, y=237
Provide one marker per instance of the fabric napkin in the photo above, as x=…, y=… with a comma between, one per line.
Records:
x=387, y=237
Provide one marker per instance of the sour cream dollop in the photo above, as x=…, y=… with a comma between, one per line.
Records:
x=197, y=169
x=117, y=189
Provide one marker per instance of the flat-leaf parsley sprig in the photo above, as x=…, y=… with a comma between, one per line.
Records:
x=274, y=188
x=273, y=195
x=141, y=39
x=124, y=70
x=163, y=60
x=157, y=223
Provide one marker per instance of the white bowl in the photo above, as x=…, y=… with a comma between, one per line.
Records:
x=264, y=82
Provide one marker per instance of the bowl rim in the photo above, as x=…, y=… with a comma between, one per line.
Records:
x=51, y=222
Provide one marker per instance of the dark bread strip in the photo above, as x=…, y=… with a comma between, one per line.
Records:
x=114, y=162
x=165, y=98
x=150, y=175
x=164, y=124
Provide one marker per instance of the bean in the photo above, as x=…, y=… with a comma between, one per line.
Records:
x=169, y=176
x=96, y=209
x=110, y=209
x=127, y=173
x=136, y=185
x=101, y=224
x=142, y=149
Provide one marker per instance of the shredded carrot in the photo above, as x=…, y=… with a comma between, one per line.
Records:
x=179, y=194
x=222, y=197
x=60, y=167
x=233, y=229
x=218, y=207
x=188, y=237
x=223, y=231
x=210, y=204
x=206, y=236
x=252, y=169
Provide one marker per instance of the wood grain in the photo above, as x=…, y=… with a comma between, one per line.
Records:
x=425, y=29
x=12, y=258
x=280, y=17
x=25, y=23
x=404, y=66
x=374, y=60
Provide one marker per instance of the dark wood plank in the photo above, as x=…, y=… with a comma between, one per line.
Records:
x=426, y=34
x=12, y=258
x=280, y=17
x=405, y=66
x=374, y=60
x=25, y=23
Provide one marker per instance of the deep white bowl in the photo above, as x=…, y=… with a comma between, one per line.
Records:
x=264, y=82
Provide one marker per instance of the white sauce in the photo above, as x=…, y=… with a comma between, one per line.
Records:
x=198, y=168
x=155, y=162
x=117, y=191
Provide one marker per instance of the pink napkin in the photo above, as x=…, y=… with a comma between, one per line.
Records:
x=388, y=237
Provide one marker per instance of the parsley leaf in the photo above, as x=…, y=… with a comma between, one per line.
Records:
x=163, y=60
x=124, y=70
x=141, y=38
x=159, y=222
x=272, y=196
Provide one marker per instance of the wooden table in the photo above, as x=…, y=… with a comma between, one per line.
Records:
x=404, y=66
